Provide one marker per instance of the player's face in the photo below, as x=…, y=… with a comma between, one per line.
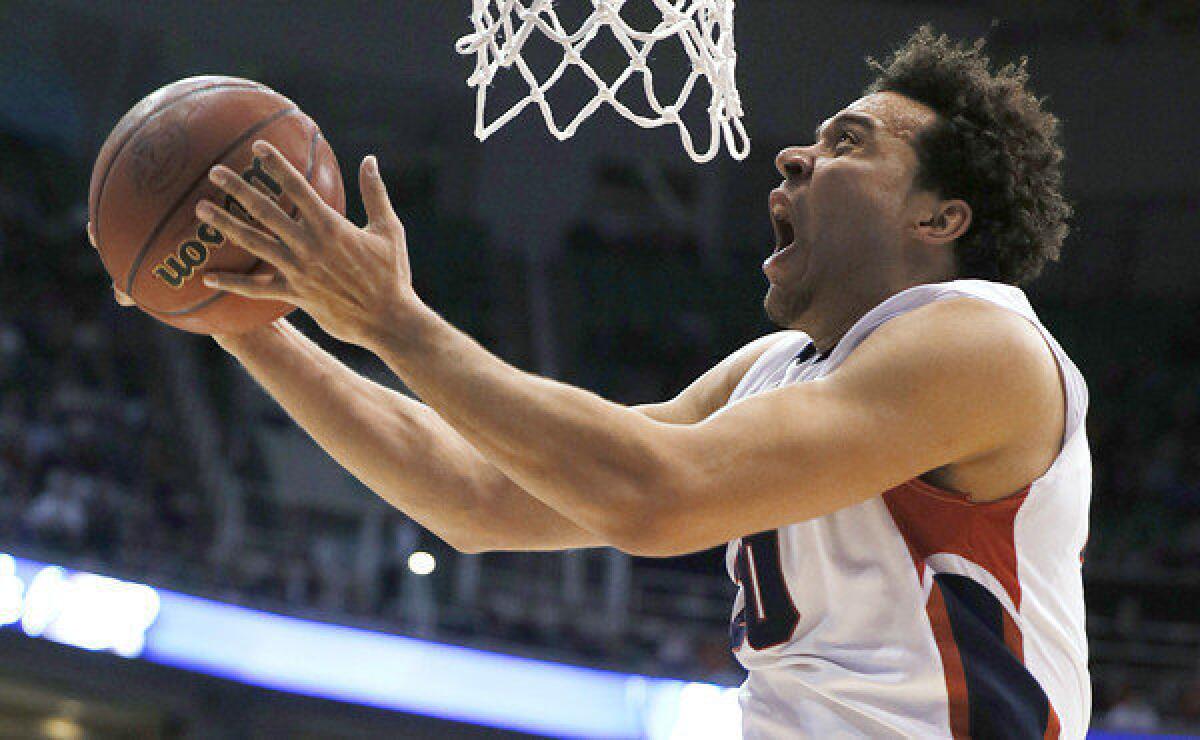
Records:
x=841, y=213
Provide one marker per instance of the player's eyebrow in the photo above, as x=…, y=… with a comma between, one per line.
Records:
x=867, y=122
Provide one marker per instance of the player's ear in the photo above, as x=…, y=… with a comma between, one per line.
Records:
x=946, y=221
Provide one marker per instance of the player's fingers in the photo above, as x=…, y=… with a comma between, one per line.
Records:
x=264, y=286
x=312, y=208
x=122, y=297
x=255, y=241
x=258, y=204
x=378, y=205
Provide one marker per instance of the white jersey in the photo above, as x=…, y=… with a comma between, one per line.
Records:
x=918, y=613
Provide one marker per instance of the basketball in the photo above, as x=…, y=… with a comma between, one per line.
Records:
x=153, y=169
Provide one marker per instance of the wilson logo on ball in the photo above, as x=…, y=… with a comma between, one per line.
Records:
x=177, y=269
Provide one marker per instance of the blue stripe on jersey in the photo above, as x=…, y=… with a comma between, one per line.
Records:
x=1004, y=699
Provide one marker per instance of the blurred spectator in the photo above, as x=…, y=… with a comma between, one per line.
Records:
x=1131, y=713
x=57, y=514
x=331, y=568
x=1187, y=709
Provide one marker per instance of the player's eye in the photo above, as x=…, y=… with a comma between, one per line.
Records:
x=843, y=138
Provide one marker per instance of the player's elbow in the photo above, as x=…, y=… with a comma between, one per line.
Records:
x=471, y=546
x=671, y=517
x=466, y=543
x=648, y=526
x=646, y=545
x=634, y=505
x=652, y=535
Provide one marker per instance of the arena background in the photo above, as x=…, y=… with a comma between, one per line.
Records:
x=611, y=261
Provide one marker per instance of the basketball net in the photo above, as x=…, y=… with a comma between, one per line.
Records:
x=704, y=27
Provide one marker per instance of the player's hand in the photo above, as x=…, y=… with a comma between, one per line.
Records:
x=355, y=282
x=121, y=297
x=230, y=342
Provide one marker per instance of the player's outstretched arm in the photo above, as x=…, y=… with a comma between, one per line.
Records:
x=348, y=278
x=401, y=449
x=945, y=384
x=410, y=457
x=956, y=382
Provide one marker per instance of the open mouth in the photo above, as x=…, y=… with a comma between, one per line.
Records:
x=781, y=222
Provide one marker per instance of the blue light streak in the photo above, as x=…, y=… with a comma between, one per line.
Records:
x=376, y=669
x=372, y=668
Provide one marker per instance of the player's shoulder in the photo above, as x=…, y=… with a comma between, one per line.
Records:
x=966, y=324
x=960, y=341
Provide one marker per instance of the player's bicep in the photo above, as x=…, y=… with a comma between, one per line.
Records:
x=914, y=397
x=785, y=456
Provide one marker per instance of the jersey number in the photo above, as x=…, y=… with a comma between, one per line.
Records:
x=769, y=617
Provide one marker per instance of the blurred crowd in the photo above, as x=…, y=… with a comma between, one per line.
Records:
x=1148, y=448
x=85, y=458
x=95, y=469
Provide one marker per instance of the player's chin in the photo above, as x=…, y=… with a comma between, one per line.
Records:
x=789, y=296
x=783, y=305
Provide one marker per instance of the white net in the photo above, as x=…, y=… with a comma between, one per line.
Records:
x=703, y=27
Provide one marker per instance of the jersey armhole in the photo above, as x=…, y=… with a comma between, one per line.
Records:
x=1070, y=381
x=786, y=341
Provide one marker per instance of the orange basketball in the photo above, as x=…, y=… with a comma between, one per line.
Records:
x=153, y=169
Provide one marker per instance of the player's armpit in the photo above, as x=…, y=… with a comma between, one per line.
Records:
x=951, y=382
x=708, y=393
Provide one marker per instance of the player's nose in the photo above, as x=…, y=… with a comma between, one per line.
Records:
x=794, y=163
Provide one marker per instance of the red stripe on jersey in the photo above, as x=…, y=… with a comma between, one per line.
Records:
x=952, y=667
x=1012, y=636
x=932, y=521
x=1053, y=726
x=1016, y=643
x=935, y=521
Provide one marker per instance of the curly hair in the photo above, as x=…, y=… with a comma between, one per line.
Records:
x=992, y=145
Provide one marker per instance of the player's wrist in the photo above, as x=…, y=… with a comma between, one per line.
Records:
x=403, y=329
x=235, y=344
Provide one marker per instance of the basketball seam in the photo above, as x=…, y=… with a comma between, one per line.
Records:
x=146, y=119
x=162, y=223
x=308, y=172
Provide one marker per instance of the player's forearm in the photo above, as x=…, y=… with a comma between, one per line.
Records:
x=594, y=461
x=400, y=448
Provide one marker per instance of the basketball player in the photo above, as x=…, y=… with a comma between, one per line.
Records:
x=901, y=474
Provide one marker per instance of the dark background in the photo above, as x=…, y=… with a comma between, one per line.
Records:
x=610, y=261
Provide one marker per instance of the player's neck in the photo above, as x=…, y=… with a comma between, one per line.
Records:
x=846, y=304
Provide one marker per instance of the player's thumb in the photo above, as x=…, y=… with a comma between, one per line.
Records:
x=122, y=297
x=375, y=197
